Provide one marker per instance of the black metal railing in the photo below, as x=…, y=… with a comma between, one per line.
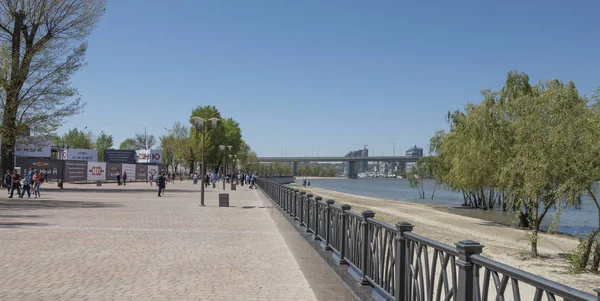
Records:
x=402, y=265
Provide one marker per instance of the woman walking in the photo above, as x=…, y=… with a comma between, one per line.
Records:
x=36, y=184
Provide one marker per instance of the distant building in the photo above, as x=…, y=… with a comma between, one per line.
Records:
x=414, y=152
x=361, y=166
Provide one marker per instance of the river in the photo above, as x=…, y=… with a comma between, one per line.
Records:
x=572, y=221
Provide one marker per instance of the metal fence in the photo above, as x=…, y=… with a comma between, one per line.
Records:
x=402, y=265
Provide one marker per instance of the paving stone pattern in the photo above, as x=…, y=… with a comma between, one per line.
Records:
x=128, y=244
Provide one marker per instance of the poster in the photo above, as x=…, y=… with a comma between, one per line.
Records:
x=152, y=171
x=75, y=171
x=120, y=156
x=142, y=156
x=156, y=156
x=49, y=167
x=81, y=154
x=141, y=172
x=96, y=171
x=40, y=150
x=130, y=170
x=112, y=169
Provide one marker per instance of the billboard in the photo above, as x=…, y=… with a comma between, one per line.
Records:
x=80, y=154
x=96, y=171
x=130, y=170
x=41, y=150
x=142, y=156
x=112, y=169
x=141, y=172
x=152, y=171
x=149, y=156
x=120, y=156
x=75, y=171
x=49, y=167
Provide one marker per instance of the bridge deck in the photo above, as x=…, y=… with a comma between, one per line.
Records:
x=125, y=243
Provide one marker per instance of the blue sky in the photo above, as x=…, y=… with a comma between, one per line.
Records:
x=304, y=76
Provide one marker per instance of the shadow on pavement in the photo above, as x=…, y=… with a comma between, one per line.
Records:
x=20, y=224
x=26, y=204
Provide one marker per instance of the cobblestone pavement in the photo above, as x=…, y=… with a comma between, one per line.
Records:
x=122, y=245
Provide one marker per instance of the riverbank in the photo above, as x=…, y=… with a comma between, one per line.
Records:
x=320, y=178
x=505, y=244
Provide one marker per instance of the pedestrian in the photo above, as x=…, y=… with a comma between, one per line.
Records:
x=118, y=178
x=45, y=175
x=213, y=179
x=15, y=184
x=159, y=181
x=124, y=177
x=7, y=181
x=164, y=183
x=195, y=178
x=152, y=178
x=36, y=184
x=27, y=182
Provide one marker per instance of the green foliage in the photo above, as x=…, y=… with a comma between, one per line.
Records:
x=417, y=174
x=76, y=138
x=318, y=170
x=534, y=147
x=103, y=142
x=128, y=144
x=574, y=258
x=275, y=168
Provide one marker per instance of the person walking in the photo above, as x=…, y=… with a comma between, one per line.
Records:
x=164, y=184
x=152, y=178
x=118, y=178
x=27, y=182
x=159, y=181
x=124, y=177
x=15, y=184
x=8, y=181
x=213, y=179
x=36, y=184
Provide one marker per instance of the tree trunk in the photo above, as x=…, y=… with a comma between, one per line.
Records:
x=433, y=192
x=596, y=261
x=588, y=249
x=534, y=249
x=7, y=153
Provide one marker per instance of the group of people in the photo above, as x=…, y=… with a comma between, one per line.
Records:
x=213, y=178
x=33, y=178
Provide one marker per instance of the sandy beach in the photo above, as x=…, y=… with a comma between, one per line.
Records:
x=504, y=244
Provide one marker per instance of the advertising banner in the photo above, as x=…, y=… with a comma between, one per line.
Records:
x=81, y=154
x=156, y=156
x=112, y=169
x=142, y=156
x=141, y=172
x=75, y=171
x=130, y=170
x=122, y=156
x=33, y=150
x=96, y=171
x=50, y=169
x=152, y=172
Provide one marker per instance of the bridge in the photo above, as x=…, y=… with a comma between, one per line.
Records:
x=351, y=161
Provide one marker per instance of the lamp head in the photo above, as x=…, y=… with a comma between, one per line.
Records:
x=222, y=147
x=229, y=147
x=213, y=122
x=230, y=155
x=197, y=121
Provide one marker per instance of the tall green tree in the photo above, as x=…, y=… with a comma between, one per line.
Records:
x=45, y=49
x=76, y=138
x=129, y=144
x=103, y=142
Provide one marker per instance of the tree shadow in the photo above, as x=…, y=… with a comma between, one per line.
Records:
x=20, y=224
x=21, y=204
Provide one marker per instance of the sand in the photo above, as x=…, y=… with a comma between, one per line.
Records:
x=504, y=244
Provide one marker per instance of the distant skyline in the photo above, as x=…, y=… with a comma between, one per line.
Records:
x=326, y=77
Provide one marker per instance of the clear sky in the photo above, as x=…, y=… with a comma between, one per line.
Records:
x=304, y=76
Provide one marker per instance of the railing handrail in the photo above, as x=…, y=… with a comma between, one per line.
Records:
x=355, y=214
x=432, y=243
x=381, y=224
x=547, y=285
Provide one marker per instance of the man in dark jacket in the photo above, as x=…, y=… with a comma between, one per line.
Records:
x=160, y=182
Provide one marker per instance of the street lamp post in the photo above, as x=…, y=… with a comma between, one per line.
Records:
x=145, y=136
x=198, y=122
x=224, y=149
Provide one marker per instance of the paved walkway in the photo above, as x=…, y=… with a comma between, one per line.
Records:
x=128, y=244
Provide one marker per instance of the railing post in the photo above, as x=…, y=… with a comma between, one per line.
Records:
x=295, y=204
x=290, y=195
x=466, y=275
x=402, y=282
x=308, y=204
x=598, y=292
x=302, y=194
x=365, y=245
x=328, y=225
x=316, y=218
x=344, y=238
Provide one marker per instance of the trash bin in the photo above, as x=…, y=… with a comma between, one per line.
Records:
x=98, y=183
x=223, y=199
x=232, y=186
x=60, y=184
